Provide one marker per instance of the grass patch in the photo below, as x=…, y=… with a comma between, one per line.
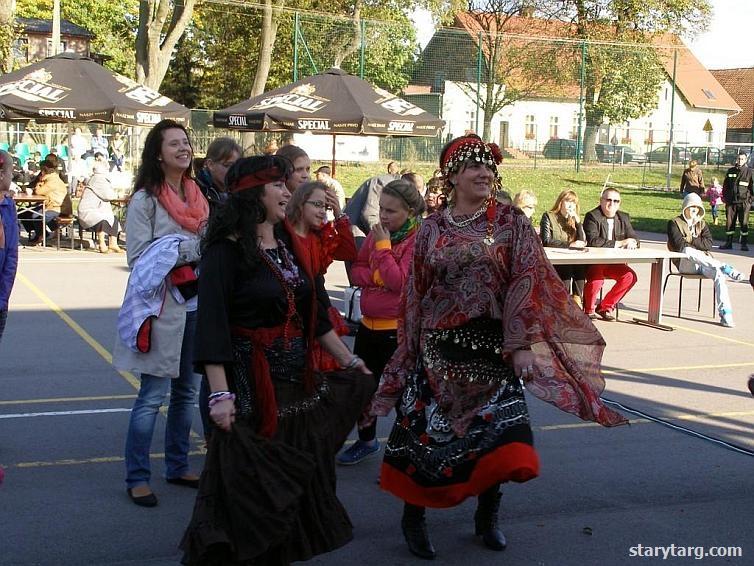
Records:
x=650, y=208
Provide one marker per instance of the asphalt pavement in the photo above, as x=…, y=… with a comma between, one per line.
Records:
x=604, y=497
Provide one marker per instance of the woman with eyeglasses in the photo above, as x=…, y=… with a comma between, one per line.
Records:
x=561, y=228
x=267, y=494
x=381, y=270
x=325, y=242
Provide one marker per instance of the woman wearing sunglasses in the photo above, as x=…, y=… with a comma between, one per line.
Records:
x=325, y=242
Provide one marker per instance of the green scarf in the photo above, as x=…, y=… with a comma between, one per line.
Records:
x=409, y=226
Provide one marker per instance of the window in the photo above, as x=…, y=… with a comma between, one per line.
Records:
x=575, y=127
x=62, y=49
x=530, y=128
x=553, y=127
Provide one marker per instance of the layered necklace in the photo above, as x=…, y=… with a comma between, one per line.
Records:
x=489, y=207
x=467, y=221
x=286, y=272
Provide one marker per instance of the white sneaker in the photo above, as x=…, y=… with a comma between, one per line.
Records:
x=727, y=321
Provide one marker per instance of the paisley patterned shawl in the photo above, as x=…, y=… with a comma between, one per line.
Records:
x=456, y=277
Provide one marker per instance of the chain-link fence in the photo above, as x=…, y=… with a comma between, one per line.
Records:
x=546, y=97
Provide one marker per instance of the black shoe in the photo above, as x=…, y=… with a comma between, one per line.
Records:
x=728, y=245
x=486, y=519
x=143, y=500
x=751, y=384
x=415, y=532
x=606, y=315
x=744, y=248
x=185, y=482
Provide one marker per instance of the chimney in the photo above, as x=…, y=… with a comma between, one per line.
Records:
x=527, y=11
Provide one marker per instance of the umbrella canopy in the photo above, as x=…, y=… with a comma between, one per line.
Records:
x=332, y=102
x=72, y=88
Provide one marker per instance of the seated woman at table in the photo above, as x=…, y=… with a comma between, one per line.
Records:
x=52, y=187
x=95, y=211
x=561, y=227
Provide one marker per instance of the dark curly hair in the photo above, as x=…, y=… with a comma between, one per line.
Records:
x=243, y=210
x=150, y=175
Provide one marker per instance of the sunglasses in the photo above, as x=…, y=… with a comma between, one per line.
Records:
x=613, y=200
x=320, y=204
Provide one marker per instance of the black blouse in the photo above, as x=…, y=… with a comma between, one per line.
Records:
x=231, y=294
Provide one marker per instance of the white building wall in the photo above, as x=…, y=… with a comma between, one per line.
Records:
x=459, y=111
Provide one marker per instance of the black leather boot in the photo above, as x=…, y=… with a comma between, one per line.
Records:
x=728, y=245
x=744, y=242
x=415, y=531
x=485, y=519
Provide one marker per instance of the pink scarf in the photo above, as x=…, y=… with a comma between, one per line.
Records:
x=191, y=214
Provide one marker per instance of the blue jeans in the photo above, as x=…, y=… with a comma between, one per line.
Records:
x=152, y=394
x=3, y=318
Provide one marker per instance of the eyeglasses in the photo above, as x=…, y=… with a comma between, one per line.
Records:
x=318, y=204
x=613, y=200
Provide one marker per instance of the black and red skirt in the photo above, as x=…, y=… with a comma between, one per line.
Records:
x=462, y=423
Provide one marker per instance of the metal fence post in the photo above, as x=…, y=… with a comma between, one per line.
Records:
x=672, y=118
x=295, y=47
x=363, y=48
x=582, y=78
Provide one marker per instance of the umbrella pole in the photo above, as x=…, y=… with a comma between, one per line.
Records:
x=333, y=155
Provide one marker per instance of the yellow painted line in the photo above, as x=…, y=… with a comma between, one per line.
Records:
x=683, y=417
x=65, y=399
x=83, y=334
x=677, y=368
x=717, y=336
x=78, y=462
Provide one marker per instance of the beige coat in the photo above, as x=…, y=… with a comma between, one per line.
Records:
x=146, y=221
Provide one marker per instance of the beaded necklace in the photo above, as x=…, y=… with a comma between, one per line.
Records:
x=287, y=283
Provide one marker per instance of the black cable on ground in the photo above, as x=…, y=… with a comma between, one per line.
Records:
x=683, y=429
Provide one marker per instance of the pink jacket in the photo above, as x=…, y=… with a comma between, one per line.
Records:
x=381, y=271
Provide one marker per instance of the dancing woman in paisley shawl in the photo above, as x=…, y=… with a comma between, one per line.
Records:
x=483, y=311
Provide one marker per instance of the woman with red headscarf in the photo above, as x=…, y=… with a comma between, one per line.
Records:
x=267, y=493
x=484, y=310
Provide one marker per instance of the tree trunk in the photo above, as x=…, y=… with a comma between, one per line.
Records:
x=355, y=43
x=266, y=45
x=158, y=33
x=7, y=34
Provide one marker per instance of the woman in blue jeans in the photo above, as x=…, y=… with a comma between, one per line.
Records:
x=166, y=214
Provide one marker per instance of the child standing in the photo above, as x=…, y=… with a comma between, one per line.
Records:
x=715, y=196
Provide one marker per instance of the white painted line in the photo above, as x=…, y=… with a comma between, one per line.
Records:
x=63, y=413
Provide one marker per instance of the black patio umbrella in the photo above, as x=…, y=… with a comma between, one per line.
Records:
x=72, y=88
x=332, y=102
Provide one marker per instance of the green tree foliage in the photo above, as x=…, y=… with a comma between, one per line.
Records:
x=113, y=23
x=221, y=46
x=621, y=82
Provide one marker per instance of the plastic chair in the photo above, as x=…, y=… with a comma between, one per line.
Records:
x=43, y=149
x=681, y=277
x=4, y=146
x=62, y=151
x=22, y=151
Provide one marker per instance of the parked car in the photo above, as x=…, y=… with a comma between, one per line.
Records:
x=609, y=153
x=714, y=156
x=557, y=148
x=660, y=155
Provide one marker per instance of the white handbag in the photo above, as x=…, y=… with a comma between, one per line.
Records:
x=352, y=304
